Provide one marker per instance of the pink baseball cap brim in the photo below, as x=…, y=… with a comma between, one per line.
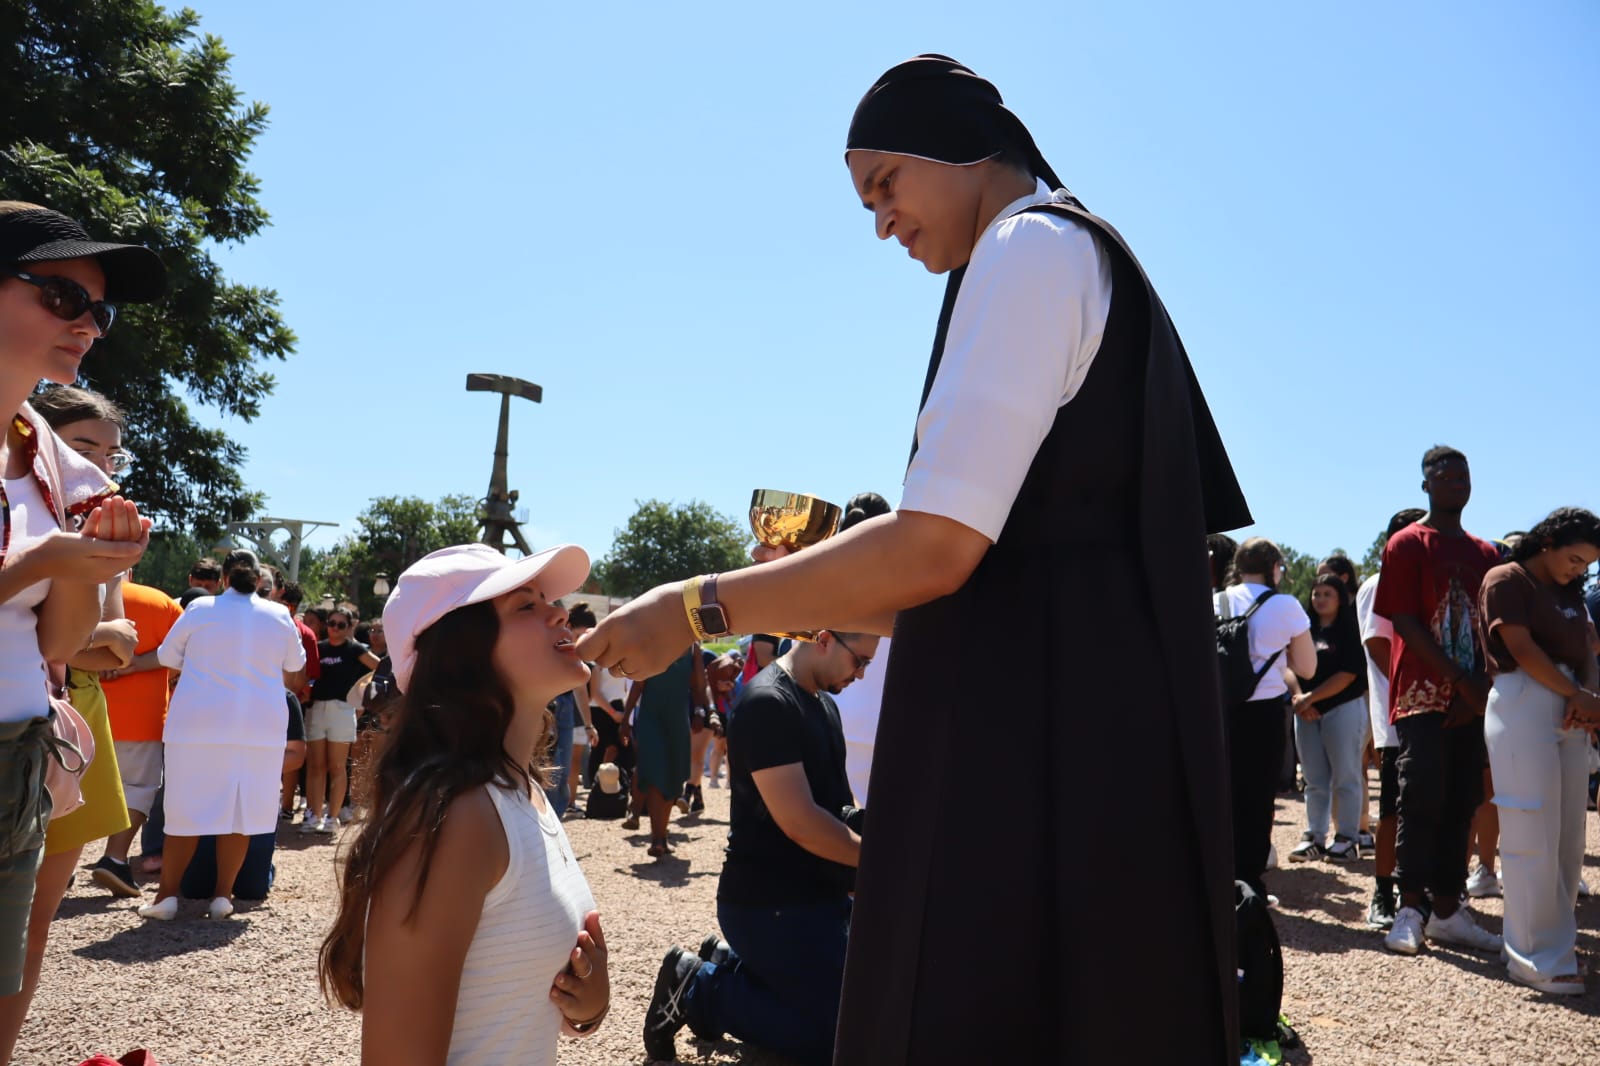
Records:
x=453, y=577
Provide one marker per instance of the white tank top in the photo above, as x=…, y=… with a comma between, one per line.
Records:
x=530, y=924
x=24, y=693
x=612, y=687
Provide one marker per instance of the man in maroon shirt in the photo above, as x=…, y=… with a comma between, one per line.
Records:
x=1438, y=689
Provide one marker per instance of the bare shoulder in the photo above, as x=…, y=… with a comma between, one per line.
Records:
x=470, y=854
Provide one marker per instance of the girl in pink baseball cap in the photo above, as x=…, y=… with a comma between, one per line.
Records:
x=461, y=880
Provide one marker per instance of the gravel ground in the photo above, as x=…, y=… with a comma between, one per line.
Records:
x=243, y=991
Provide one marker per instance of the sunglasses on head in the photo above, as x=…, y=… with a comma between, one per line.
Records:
x=68, y=300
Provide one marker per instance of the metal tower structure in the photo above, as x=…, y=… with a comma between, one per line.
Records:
x=496, y=511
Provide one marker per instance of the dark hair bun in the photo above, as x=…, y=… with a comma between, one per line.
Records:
x=861, y=507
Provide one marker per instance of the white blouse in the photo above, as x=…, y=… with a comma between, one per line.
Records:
x=1028, y=320
x=525, y=936
x=232, y=650
x=24, y=691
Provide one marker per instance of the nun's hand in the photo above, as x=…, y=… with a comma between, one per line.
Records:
x=764, y=553
x=641, y=638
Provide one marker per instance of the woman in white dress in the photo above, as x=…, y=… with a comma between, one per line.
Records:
x=466, y=931
x=236, y=654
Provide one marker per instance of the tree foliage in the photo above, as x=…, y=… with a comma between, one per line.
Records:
x=392, y=533
x=122, y=116
x=662, y=542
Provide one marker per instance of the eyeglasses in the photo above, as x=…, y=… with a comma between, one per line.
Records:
x=68, y=300
x=862, y=662
x=338, y=625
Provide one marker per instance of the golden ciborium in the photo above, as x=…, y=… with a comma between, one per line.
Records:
x=792, y=521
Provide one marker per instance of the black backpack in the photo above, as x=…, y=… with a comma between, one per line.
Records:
x=609, y=806
x=1239, y=679
x=1260, y=965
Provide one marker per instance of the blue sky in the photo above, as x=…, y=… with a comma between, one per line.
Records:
x=1374, y=226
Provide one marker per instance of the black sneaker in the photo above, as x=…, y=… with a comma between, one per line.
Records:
x=1307, y=850
x=715, y=950
x=1380, y=912
x=697, y=802
x=668, y=1012
x=1343, y=849
x=116, y=877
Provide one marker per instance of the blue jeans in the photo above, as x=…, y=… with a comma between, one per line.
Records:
x=1330, y=756
x=566, y=714
x=780, y=988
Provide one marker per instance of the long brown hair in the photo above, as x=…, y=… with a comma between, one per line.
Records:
x=446, y=738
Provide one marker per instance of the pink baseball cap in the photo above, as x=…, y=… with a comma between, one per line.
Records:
x=453, y=577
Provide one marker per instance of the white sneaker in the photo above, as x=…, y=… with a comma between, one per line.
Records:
x=1461, y=930
x=309, y=823
x=164, y=911
x=1272, y=856
x=1483, y=883
x=346, y=815
x=220, y=907
x=326, y=824
x=1405, y=938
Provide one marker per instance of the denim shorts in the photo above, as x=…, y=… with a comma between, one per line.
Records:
x=24, y=818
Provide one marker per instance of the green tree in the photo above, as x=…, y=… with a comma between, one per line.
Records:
x=1300, y=572
x=122, y=115
x=393, y=532
x=662, y=542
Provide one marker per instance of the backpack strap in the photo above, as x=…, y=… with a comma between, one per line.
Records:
x=1254, y=607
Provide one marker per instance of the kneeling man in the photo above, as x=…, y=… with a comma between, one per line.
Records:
x=784, y=898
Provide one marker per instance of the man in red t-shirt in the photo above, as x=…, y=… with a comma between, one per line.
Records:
x=1438, y=688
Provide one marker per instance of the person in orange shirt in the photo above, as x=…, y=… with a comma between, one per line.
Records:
x=137, y=698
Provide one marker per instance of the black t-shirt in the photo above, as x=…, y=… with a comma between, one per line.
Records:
x=775, y=722
x=1338, y=648
x=341, y=669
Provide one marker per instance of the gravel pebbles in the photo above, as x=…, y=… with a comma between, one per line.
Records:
x=243, y=991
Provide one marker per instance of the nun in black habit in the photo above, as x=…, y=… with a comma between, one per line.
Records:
x=1065, y=473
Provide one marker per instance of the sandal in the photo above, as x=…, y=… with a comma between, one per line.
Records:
x=658, y=848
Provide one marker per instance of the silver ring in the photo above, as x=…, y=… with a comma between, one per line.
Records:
x=588, y=975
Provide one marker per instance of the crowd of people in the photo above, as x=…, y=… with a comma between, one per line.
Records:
x=455, y=732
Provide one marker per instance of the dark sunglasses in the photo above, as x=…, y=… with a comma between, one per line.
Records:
x=862, y=662
x=338, y=625
x=68, y=300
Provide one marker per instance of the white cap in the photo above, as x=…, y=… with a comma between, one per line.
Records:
x=453, y=577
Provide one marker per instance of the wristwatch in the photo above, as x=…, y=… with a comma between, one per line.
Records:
x=706, y=616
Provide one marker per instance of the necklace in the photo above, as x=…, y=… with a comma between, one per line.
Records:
x=555, y=833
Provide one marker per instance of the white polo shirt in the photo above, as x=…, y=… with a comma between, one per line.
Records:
x=232, y=649
x=1026, y=326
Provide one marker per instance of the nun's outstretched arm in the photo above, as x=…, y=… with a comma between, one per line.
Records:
x=882, y=566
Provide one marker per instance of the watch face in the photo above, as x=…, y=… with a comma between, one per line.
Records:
x=712, y=620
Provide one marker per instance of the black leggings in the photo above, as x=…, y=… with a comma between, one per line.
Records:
x=1255, y=746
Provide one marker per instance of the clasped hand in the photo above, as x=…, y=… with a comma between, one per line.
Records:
x=582, y=991
x=1583, y=711
x=112, y=539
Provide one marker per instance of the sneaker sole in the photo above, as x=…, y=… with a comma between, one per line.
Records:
x=116, y=885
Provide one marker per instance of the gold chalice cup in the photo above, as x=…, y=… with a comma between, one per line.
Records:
x=792, y=520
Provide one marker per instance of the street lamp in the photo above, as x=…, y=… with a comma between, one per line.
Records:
x=327, y=603
x=380, y=587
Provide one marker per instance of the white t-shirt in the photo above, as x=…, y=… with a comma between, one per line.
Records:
x=232, y=649
x=24, y=690
x=1375, y=625
x=530, y=924
x=1027, y=322
x=1279, y=621
x=859, y=705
